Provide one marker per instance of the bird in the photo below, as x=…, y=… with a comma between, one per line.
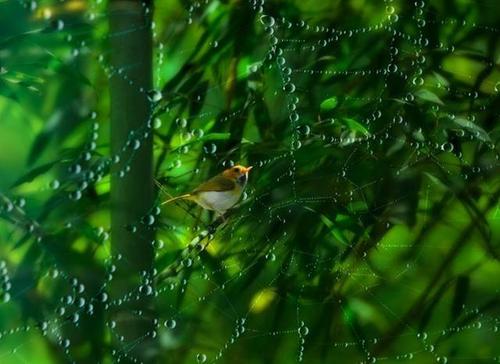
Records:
x=219, y=193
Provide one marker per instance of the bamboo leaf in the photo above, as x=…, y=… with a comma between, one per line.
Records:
x=430, y=96
x=329, y=104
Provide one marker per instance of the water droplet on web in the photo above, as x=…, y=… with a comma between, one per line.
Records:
x=136, y=144
x=447, y=147
x=296, y=144
x=497, y=87
x=58, y=24
x=103, y=296
x=303, y=330
x=198, y=133
x=181, y=122
x=158, y=243
x=54, y=184
x=157, y=123
x=289, y=87
x=201, y=358
x=210, y=148
x=5, y=297
x=75, y=195
x=418, y=81
x=304, y=129
x=148, y=220
x=187, y=262
x=267, y=20
x=294, y=116
x=170, y=324
x=154, y=95
x=253, y=68
x=271, y=257
x=393, y=18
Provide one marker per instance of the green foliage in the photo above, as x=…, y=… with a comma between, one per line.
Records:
x=369, y=229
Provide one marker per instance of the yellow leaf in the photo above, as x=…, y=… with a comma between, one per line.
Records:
x=262, y=299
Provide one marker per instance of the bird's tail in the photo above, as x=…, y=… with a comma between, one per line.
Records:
x=187, y=196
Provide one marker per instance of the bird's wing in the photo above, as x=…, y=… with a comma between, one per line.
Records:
x=217, y=183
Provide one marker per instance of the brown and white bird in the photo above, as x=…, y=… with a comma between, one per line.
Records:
x=219, y=193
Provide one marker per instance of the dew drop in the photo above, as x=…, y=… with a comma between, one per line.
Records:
x=210, y=148
x=201, y=358
x=447, y=147
x=5, y=297
x=54, y=184
x=267, y=20
x=289, y=87
x=154, y=95
x=181, y=122
x=170, y=324
x=303, y=330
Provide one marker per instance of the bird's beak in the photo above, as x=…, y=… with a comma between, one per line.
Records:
x=248, y=169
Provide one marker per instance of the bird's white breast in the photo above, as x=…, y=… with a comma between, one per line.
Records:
x=219, y=201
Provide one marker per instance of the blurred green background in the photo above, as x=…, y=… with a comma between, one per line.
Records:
x=370, y=228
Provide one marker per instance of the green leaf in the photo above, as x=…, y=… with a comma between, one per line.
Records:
x=461, y=292
x=336, y=232
x=430, y=96
x=357, y=206
x=35, y=172
x=329, y=104
x=440, y=79
x=436, y=180
x=396, y=146
x=216, y=136
x=479, y=132
x=355, y=126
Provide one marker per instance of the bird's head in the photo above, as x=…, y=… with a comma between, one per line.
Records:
x=237, y=173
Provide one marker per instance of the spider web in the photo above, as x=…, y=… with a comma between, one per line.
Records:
x=230, y=285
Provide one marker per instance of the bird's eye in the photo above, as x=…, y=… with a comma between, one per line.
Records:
x=236, y=169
